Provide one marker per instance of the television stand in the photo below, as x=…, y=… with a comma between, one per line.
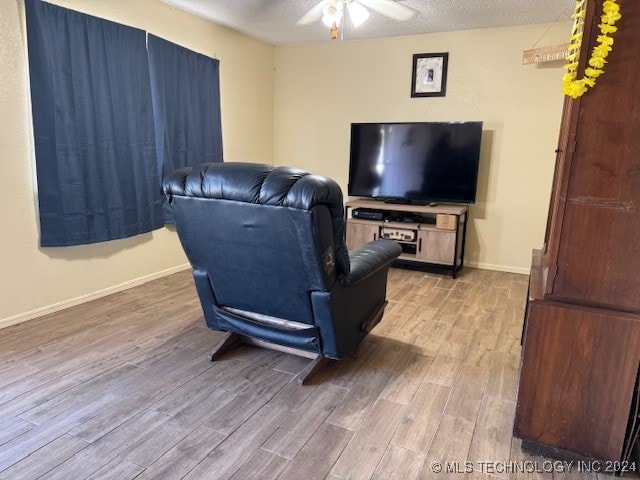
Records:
x=430, y=236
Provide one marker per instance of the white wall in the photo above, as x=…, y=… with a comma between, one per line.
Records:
x=36, y=280
x=322, y=88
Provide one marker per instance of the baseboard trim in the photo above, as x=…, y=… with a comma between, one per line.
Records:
x=498, y=268
x=72, y=302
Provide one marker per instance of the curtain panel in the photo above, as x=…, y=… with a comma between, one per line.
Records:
x=93, y=127
x=186, y=103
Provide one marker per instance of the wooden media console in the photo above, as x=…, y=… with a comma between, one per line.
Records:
x=429, y=235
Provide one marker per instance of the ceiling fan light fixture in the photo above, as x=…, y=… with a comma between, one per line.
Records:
x=332, y=14
x=357, y=13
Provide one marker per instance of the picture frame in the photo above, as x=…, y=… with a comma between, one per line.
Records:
x=429, y=75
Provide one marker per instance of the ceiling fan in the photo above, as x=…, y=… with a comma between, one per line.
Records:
x=332, y=11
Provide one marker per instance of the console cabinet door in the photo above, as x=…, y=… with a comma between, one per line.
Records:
x=361, y=232
x=436, y=246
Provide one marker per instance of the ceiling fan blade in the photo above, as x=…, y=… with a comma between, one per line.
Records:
x=314, y=14
x=389, y=8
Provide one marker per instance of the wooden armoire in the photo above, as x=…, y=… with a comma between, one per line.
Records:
x=581, y=341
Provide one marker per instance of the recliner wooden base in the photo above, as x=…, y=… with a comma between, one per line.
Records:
x=234, y=340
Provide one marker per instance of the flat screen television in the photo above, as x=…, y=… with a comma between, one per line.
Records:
x=415, y=162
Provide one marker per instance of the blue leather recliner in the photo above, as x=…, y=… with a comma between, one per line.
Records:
x=267, y=247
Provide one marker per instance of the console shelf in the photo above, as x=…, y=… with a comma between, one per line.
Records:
x=429, y=235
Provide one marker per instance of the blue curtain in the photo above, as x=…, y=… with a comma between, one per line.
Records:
x=93, y=126
x=186, y=102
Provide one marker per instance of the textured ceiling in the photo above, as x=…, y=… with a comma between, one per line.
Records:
x=274, y=21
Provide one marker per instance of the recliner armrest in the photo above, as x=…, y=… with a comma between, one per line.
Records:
x=369, y=258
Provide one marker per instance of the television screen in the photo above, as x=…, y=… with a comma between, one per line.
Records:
x=421, y=162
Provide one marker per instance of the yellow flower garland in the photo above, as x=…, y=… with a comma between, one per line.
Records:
x=571, y=85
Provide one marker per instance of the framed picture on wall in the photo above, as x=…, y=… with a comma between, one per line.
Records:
x=429, y=78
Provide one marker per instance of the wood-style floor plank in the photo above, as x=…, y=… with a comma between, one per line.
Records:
x=360, y=399
x=121, y=387
x=399, y=463
x=228, y=457
x=184, y=456
x=300, y=426
x=180, y=424
x=493, y=428
x=77, y=396
x=450, y=445
x=262, y=465
x=44, y=459
x=363, y=453
x=422, y=417
x=316, y=458
x=117, y=469
x=23, y=445
x=12, y=428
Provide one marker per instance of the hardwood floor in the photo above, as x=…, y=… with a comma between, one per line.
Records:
x=121, y=388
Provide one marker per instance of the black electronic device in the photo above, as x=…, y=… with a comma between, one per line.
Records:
x=368, y=214
x=415, y=162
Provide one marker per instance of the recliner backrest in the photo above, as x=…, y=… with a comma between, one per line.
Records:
x=276, y=232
